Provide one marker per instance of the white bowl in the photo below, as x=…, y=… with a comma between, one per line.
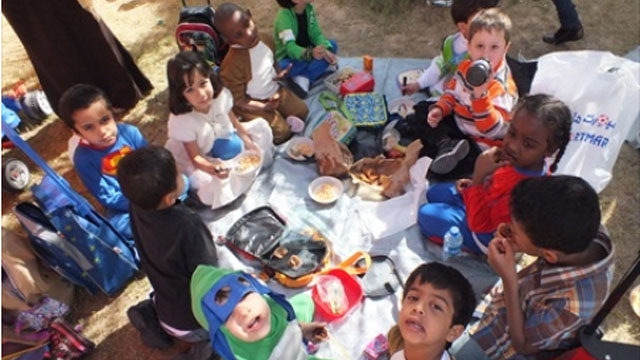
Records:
x=241, y=169
x=297, y=141
x=331, y=187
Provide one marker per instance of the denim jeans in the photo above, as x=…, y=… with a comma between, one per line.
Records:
x=312, y=69
x=567, y=14
x=445, y=208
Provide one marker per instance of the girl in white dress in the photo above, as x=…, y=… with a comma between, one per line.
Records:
x=204, y=134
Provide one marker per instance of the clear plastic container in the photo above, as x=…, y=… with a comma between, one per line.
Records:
x=331, y=293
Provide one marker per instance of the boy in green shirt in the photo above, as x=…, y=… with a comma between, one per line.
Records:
x=299, y=41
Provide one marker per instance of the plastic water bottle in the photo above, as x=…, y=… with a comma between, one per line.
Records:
x=452, y=245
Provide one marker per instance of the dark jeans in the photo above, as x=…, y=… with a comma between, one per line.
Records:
x=312, y=69
x=432, y=139
x=567, y=14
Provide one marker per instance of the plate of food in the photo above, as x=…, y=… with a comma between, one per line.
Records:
x=247, y=163
x=325, y=189
x=300, y=148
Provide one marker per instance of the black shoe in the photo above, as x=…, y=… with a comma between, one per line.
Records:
x=144, y=318
x=564, y=35
x=450, y=152
x=299, y=85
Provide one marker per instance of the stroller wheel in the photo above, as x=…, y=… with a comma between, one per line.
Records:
x=15, y=175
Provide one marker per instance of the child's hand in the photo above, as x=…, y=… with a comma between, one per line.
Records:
x=410, y=89
x=502, y=260
x=463, y=184
x=318, y=52
x=273, y=103
x=330, y=57
x=481, y=91
x=250, y=145
x=314, y=331
x=283, y=73
x=488, y=162
x=218, y=169
x=434, y=117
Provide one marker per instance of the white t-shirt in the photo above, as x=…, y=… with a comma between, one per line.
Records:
x=432, y=77
x=400, y=356
x=262, y=86
x=204, y=129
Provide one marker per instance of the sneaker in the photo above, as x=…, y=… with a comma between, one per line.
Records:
x=564, y=35
x=299, y=85
x=144, y=318
x=449, y=154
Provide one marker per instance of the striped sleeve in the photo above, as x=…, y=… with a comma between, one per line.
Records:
x=446, y=102
x=486, y=115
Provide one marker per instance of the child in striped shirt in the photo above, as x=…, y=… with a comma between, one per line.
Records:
x=481, y=113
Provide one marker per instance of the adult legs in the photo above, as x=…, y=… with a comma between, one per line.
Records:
x=570, y=26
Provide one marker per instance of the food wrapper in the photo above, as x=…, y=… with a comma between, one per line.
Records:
x=333, y=158
x=386, y=177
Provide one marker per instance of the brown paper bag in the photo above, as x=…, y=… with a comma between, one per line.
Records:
x=31, y=279
x=386, y=177
x=333, y=158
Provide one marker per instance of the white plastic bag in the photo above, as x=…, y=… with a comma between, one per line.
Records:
x=603, y=92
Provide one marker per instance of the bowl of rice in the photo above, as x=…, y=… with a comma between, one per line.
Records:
x=325, y=189
x=247, y=163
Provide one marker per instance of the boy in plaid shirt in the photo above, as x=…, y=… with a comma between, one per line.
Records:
x=542, y=307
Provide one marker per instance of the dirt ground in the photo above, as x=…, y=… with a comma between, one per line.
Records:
x=146, y=27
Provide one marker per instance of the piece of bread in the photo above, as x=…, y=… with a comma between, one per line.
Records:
x=294, y=262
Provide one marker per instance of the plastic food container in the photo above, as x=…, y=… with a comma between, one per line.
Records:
x=333, y=81
x=335, y=294
x=360, y=82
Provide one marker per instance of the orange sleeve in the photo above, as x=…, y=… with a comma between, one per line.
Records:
x=485, y=114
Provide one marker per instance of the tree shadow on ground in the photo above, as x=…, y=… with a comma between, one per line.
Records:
x=112, y=347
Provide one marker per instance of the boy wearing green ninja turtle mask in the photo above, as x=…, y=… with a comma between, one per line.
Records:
x=248, y=321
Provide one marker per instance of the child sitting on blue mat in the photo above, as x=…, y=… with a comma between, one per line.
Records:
x=248, y=321
x=541, y=128
x=299, y=41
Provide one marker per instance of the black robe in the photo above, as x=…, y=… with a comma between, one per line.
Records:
x=68, y=45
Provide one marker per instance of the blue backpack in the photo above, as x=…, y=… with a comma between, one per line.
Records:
x=68, y=234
